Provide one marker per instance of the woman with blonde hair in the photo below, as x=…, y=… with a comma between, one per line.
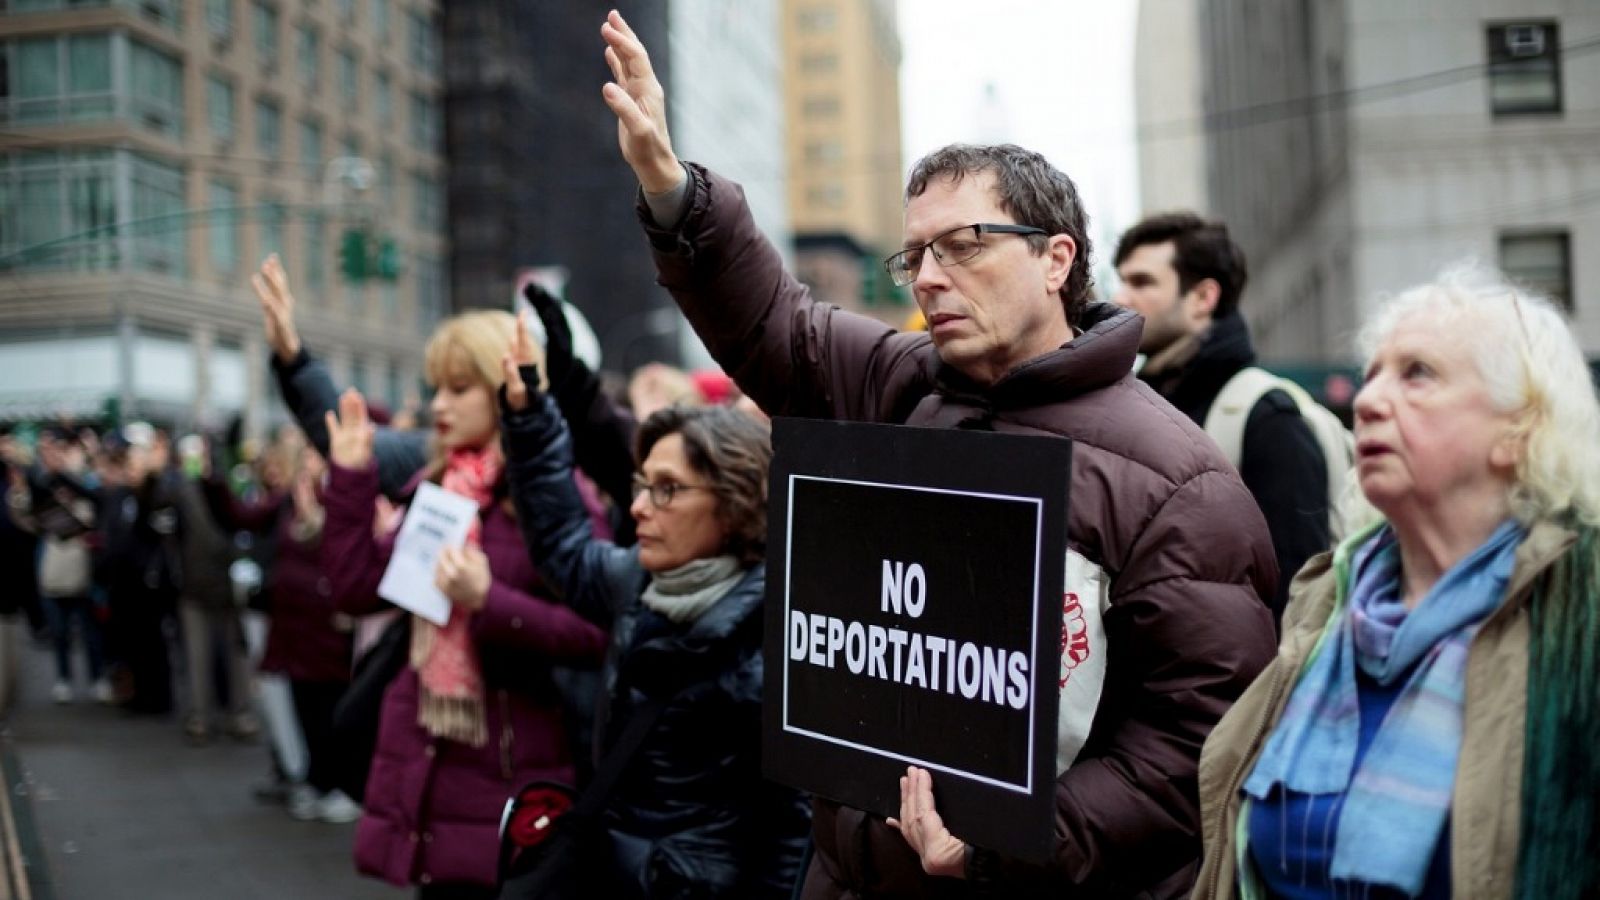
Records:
x=1428, y=726
x=475, y=712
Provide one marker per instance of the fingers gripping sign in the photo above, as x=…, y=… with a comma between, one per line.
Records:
x=462, y=574
x=637, y=99
x=942, y=853
x=350, y=432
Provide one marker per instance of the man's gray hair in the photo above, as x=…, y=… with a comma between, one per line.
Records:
x=1030, y=190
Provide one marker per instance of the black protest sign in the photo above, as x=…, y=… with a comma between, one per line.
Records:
x=914, y=579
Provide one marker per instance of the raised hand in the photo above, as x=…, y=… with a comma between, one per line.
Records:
x=520, y=353
x=350, y=432
x=462, y=574
x=920, y=824
x=277, y=308
x=637, y=99
x=558, y=355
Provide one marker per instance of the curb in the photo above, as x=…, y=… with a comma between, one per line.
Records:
x=24, y=873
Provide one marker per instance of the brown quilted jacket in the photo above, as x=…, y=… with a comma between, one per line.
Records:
x=1153, y=503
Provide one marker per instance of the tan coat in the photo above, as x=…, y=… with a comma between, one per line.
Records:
x=1486, y=806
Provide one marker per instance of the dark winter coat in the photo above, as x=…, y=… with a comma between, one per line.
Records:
x=1153, y=505
x=1280, y=460
x=433, y=806
x=306, y=637
x=692, y=817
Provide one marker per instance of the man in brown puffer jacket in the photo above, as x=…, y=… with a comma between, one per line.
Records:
x=1168, y=555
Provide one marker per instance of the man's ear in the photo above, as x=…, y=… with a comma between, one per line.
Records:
x=1201, y=300
x=1061, y=251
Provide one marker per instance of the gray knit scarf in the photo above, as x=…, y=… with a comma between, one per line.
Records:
x=686, y=592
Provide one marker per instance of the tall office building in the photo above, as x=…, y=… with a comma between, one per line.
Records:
x=536, y=179
x=152, y=152
x=727, y=112
x=842, y=88
x=1356, y=148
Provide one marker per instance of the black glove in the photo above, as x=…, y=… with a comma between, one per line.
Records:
x=558, y=359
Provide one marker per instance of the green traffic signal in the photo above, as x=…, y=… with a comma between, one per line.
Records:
x=353, y=255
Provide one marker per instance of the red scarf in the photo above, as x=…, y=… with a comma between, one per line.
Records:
x=446, y=659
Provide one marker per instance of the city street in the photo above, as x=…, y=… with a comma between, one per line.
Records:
x=112, y=806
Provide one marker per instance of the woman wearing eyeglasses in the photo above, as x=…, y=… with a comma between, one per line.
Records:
x=691, y=814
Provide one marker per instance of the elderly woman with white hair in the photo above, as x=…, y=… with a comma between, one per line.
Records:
x=1429, y=727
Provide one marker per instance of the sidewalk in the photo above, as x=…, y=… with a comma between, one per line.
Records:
x=111, y=806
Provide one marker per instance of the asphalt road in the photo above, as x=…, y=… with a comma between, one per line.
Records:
x=111, y=806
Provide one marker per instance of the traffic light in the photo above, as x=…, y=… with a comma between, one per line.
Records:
x=877, y=288
x=353, y=255
x=388, y=267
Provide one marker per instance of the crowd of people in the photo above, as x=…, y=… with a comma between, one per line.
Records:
x=1325, y=665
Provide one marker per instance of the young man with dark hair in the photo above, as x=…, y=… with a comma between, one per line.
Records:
x=1185, y=275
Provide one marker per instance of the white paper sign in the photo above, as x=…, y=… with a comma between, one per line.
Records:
x=435, y=520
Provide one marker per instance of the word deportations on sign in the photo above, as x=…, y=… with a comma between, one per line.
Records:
x=914, y=618
x=991, y=674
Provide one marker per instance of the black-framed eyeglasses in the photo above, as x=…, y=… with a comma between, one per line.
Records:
x=662, y=492
x=952, y=248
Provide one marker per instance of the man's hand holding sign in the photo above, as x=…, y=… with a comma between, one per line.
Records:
x=995, y=251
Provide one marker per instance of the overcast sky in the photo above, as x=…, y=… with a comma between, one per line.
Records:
x=1055, y=76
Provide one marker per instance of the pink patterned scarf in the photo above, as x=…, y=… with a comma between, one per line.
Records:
x=446, y=659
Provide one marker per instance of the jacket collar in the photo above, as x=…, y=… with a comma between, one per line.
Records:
x=1192, y=384
x=1098, y=357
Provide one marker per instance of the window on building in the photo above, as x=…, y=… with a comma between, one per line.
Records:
x=825, y=196
x=305, y=54
x=383, y=99
x=270, y=219
x=824, y=152
x=166, y=12
x=817, y=19
x=56, y=79
x=1524, y=68
x=349, y=85
x=819, y=63
x=420, y=40
x=431, y=297
x=315, y=248
x=427, y=205
x=424, y=123
x=311, y=145
x=380, y=19
x=222, y=223
x=219, y=18
x=1540, y=261
x=219, y=108
x=386, y=181
x=269, y=129
x=391, y=385
x=350, y=145
x=828, y=196
x=157, y=89
x=820, y=106
x=158, y=198
x=347, y=10
x=57, y=210
x=264, y=28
